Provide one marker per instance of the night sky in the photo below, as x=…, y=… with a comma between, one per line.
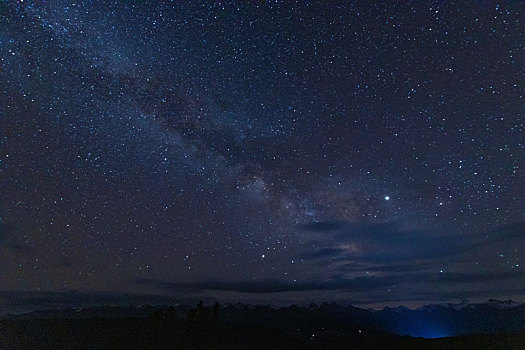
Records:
x=263, y=151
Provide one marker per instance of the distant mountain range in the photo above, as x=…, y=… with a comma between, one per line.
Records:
x=431, y=321
x=440, y=320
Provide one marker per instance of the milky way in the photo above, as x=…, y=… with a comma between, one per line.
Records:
x=265, y=151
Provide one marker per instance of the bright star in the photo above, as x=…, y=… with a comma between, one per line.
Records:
x=387, y=198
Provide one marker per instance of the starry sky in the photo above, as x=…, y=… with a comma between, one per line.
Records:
x=263, y=151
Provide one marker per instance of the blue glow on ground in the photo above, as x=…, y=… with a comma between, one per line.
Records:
x=434, y=335
x=427, y=331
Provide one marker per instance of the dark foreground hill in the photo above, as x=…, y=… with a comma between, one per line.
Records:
x=328, y=326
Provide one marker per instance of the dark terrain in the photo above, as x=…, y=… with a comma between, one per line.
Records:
x=493, y=325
